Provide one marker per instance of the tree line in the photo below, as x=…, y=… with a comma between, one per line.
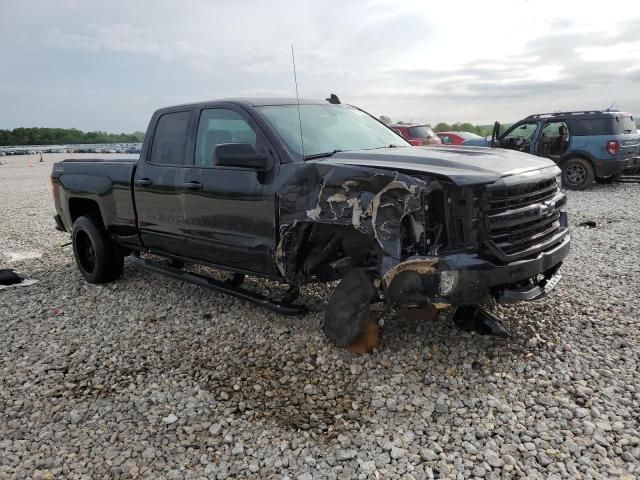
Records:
x=482, y=130
x=63, y=136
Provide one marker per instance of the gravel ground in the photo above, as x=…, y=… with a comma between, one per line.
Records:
x=151, y=378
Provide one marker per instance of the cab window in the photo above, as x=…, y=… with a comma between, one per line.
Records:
x=169, y=139
x=219, y=126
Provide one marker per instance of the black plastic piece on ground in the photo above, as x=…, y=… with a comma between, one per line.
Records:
x=472, y=318
x=219, y=286
x=9, y=277
x=588, y=223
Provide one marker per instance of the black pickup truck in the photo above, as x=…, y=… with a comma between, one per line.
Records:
x=317, y=192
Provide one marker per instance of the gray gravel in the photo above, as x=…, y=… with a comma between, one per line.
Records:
x=151, y=378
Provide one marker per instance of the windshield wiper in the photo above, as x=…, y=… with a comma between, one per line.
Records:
x=393, y=145
x=321, y=155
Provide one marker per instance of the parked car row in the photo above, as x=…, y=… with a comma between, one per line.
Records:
x=456, y=138
x=132, y=148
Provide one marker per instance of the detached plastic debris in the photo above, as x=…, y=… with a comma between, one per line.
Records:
x=472, y=318
x=588, y=224
x=11, y=279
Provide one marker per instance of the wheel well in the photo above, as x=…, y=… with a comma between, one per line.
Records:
x=311, y=248
x=575, y=155
x=83, y=206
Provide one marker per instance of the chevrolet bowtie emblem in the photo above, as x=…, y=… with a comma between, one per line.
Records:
x=546, y=208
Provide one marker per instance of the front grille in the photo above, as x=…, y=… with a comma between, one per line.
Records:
x=523, y=219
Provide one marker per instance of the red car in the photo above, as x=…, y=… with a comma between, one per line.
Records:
x=456, y=138
x=417, y=134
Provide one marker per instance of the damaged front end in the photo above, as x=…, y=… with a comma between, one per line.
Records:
x=420, y=239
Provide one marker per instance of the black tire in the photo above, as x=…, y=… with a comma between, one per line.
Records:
x=98, y=258
x=609, y=179
x=577, y=174
x=348, y=309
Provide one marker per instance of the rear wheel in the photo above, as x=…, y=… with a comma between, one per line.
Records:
x=577, y=174
x=97, y=257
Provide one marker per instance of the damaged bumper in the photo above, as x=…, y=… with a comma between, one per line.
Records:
x=467, y=279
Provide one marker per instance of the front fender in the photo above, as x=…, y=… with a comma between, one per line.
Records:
x=369, y=201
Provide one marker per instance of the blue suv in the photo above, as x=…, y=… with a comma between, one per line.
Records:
x=587, y=145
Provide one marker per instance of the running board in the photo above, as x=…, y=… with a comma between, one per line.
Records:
x=225, y=287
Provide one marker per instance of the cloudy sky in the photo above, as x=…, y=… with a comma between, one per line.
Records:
x=107, y=65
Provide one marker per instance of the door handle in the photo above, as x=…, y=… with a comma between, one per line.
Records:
x=144, y=182
x=192, y=185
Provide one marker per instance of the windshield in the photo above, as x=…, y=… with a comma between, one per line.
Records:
x=525, y=131
x=421, y=132
x=329, y=128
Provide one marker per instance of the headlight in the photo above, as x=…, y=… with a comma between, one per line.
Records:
x=559, y=181
x=448, y=281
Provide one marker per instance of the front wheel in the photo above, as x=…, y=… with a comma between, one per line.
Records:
x=97, y=257
x=577, y=174
x=348, y=309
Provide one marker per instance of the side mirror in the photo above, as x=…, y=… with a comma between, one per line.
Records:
x=415, y=142
x=240, y=155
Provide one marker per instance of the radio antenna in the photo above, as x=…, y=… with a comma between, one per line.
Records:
x=295, y=79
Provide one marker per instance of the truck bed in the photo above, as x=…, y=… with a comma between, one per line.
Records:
x=100, y=183
x=133, y=159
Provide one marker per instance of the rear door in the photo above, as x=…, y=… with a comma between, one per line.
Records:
x=230, y=211
x=158, y=183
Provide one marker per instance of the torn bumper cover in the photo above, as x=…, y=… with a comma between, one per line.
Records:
x=465, y=279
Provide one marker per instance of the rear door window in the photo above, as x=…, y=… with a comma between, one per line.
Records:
x=170, y=139
x=586, y=127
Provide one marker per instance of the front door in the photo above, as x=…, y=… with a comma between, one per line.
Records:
x=521, y=137
x=230, y=211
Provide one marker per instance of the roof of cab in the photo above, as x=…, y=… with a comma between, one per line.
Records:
x=252, y=102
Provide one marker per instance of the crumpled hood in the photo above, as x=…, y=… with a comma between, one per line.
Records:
x=462, y=165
